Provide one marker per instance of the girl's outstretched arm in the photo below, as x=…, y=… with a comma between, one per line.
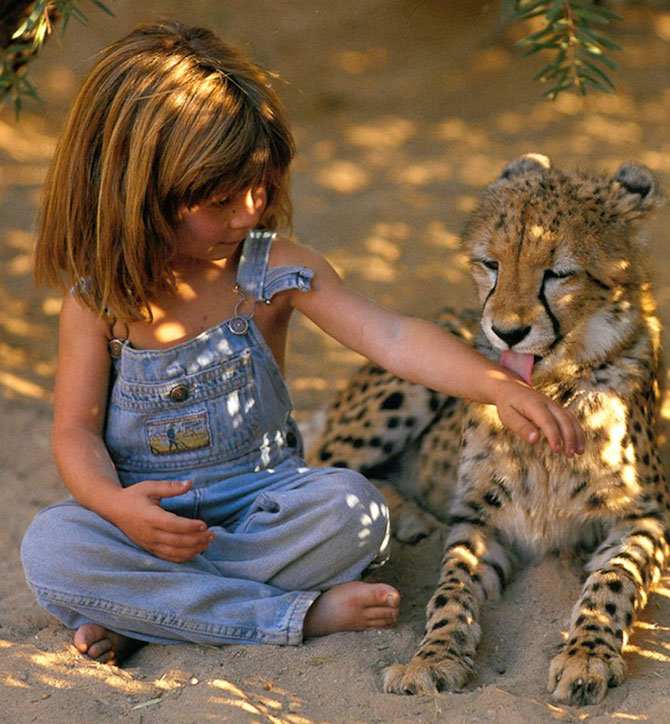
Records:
x=80, y=399
x=422, y=352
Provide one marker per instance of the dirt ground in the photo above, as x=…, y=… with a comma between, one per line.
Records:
x=403, y=110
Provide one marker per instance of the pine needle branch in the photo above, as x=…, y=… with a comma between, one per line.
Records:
x=579, y=52
x=24, y=28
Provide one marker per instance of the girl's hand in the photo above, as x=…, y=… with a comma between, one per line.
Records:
x=524, y=410
x=166, y=535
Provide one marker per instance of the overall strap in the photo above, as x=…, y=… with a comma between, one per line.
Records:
x=254, y=262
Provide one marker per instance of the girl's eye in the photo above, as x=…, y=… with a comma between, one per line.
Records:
x=221, y=202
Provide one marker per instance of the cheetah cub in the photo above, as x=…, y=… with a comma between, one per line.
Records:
x=565, y=302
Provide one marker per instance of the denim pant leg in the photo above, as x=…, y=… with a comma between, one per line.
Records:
x=324, y=526
x=84, y=569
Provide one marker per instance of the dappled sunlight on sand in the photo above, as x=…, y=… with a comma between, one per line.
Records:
x=345, y=177
x=269, y=701
x=356, y=62
x=130, y=690
x=390, y=132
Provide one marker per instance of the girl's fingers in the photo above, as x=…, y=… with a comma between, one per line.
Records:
x=524, y=410
x=568, y=430
x=163, y=488
x=176, y=555
x=558, y=426
x=185, y=540
x=520, y=424
x=179, y=525
x=180, y=548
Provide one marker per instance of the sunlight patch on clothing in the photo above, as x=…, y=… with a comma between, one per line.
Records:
x=352, y=501
x=264, y=450
x=233, y=404
x=223, y=346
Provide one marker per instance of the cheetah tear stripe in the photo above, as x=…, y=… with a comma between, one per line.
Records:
x=520, y=364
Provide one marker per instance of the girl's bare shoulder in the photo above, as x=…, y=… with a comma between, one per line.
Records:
x=76, y=316
x=287, y=252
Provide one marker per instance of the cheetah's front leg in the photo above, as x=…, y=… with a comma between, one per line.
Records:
x=590, y=660
x=474, y=567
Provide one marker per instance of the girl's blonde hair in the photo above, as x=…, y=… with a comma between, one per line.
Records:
x=170, y=116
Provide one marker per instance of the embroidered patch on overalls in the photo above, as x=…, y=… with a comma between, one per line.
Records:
x=179, y=434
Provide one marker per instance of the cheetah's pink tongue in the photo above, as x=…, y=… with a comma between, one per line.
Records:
x=520, y=364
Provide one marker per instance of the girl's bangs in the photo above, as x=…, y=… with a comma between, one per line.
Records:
x=257, y=168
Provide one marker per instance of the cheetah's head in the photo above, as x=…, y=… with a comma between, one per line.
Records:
x=557, y=262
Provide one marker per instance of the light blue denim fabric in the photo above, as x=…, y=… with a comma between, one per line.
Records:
x=215, y=411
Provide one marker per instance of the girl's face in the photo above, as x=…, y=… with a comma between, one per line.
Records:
x=214, y=230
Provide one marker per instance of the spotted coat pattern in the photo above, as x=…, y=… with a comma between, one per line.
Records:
x=559, y=265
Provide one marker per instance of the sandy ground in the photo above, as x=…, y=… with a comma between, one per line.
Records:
x=403, y=110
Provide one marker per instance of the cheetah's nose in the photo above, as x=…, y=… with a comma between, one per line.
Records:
x=511, y=336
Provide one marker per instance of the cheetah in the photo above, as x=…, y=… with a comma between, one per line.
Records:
x=558, y=264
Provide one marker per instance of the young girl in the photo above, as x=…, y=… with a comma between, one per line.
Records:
x=193, y=516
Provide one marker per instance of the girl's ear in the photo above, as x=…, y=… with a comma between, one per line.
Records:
x=635, y=191
x=530, y=163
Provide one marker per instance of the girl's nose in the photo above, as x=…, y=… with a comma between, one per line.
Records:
x=247, y=209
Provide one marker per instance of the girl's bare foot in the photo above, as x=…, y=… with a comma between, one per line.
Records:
x=103, y=645
x=354, y=606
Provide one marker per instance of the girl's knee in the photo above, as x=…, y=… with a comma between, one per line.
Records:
x=362, y=509
x=49, y=544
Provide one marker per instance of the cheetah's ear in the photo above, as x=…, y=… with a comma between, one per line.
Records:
x=636, y=189
x=530, y=163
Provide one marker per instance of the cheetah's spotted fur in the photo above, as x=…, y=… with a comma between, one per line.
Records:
x=560, y=273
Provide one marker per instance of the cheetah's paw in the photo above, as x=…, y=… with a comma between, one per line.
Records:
x=583, y=678
x=421, y=677
x=412, y=525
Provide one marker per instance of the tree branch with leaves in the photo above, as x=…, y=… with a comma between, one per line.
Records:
x=25, y=26
x=568, y=32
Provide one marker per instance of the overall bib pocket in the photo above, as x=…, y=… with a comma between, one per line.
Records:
x=189, y=421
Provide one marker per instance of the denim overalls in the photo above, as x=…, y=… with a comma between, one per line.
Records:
x=213, y=410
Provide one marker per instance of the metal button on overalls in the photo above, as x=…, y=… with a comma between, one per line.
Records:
x=179, y=393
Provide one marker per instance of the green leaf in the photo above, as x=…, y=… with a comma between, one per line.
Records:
x=536, y=8
x=601, y=39
x=598, y=54
x=590, y=80
x=552, y=72
x=557, y=9
x=536, y=37
x=553, y=92
x=528, y=16
x=549, y=46
x=594, y=69
x=585, y=14
x=103, y=7
x=71, y=10
x=600, y=10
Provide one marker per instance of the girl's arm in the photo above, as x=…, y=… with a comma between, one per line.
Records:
x=422, y=352
x=80, y=399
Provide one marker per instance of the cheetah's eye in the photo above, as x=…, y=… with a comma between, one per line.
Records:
x=489, y=264
x=554, y=274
